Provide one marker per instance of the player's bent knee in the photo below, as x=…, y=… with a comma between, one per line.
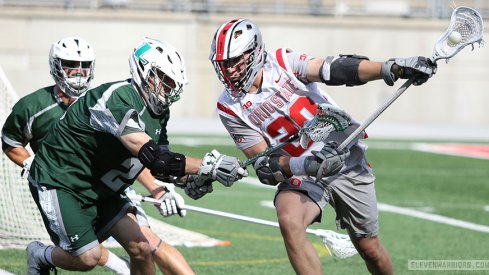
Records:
x=369, y=248
x=289, y=224
x=139, y=249
x=89, y=260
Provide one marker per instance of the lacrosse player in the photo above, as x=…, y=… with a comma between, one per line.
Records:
x=72, y=61
x=97, y=149
x=269, y=96
x=33, y=115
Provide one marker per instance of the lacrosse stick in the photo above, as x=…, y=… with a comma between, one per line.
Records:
x=466, y=28
x=328, y=119
x=338, y=245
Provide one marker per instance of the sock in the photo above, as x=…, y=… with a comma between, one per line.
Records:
x=48, y=254
x=117, y=264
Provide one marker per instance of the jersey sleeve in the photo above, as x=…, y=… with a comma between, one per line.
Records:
x=243, y=136
x=116, y=115
x=298, y=64
x=14, y=132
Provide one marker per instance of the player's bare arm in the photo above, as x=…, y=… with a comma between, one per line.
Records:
x=17, y=154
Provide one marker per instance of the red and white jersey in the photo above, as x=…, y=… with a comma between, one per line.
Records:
x=280, y=108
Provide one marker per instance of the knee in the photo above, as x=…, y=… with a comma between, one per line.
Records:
x=289, y=224
x=139, y=249
x=89, y=260
x=370, y=249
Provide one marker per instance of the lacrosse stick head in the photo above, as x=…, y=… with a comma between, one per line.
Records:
x=466, y=28
x=339, y=245
x=328, y=119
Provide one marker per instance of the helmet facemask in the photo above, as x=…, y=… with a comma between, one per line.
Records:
x=72, y=63
x=158, y=72
x=73, y=77
x=161, y=90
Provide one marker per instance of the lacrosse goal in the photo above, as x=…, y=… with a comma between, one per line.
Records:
x=20, y=221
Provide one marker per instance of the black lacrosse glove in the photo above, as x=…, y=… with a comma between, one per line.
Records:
x=327, y=162
x=421, y=67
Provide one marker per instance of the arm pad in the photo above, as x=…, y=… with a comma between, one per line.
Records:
x=342, y=70
x=160, y=161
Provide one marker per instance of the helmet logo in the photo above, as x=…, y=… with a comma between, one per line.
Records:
x=140, y=51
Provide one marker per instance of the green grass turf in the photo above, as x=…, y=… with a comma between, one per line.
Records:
x=454, y=187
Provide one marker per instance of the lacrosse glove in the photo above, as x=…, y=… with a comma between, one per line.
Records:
x=326, y=162
x=268, y=170
x=224, y=169
x=171, y=202
x=196, y=187
x=396, y=68
x=26, y=167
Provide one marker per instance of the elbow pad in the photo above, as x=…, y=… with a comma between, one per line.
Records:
x=160, y=161
x=342, y=70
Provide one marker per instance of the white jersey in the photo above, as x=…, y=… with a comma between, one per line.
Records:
x=280, y=108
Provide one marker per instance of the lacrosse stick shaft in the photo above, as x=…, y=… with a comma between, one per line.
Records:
x=220, y=214
x=376, y=114
x=270, y=150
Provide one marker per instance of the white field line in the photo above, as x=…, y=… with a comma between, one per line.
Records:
x=5, y=272
x=433, y=217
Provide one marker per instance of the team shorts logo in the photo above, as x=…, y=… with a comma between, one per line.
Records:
x=74, y=238
x=295, y=182
x=238, y=138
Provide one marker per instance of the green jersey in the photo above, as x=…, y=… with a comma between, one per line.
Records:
x=32, y=117
x=83, y=154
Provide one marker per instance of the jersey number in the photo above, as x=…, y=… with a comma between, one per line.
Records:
x=115, y=179
x=302, y=110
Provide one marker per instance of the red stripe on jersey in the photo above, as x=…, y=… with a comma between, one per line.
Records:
x=226, y=110
x=221, y=40
x=280, y=59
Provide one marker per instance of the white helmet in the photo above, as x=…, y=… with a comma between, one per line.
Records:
x=72, y=53
x=150, y=63
x=231, y=42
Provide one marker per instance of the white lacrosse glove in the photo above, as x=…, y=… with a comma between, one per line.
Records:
x=395, y=68
x=197, y=187
x=224, y=169
x=171, y=202
x=26, y=167
x=326, y=162
x=329, y=118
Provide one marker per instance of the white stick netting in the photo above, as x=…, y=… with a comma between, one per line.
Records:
x=466, y=28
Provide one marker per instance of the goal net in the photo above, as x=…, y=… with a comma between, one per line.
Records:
x=20, y=221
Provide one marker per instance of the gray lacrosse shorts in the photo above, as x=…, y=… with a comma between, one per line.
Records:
x=353, y=198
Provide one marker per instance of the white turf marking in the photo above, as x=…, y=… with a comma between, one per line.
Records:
x=4, y=272
x=433, y=217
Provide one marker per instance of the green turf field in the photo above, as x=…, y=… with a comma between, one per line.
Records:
x=454, y=188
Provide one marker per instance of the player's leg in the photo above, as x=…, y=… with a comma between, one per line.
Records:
x=355, y=203
x=128, y=233
x=113, y=262
x=167, y=257
x=374, y=254
x=296, y=212
x=70, y=227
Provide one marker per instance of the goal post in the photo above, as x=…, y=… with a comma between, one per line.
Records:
x=20, y=220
